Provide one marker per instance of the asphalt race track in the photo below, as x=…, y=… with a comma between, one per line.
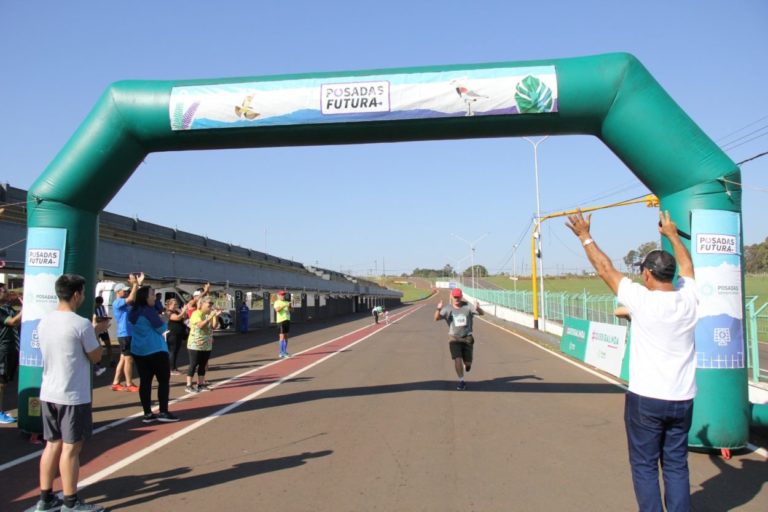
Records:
x=366, y=417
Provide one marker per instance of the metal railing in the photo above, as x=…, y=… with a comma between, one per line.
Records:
x=599, y=308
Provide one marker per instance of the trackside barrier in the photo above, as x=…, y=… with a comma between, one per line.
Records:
x=599, y=308
x=594, y=308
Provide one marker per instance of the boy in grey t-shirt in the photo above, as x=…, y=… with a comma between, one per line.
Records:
x=69, y=347
x=461, y=342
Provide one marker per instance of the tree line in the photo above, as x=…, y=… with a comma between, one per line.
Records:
x=756, y=258
x=449, y=271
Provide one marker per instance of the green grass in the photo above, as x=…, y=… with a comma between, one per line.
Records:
x=593, y=285
x=754, y=284
x=410, y=291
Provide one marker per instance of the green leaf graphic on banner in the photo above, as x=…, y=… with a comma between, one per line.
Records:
x=532, y=96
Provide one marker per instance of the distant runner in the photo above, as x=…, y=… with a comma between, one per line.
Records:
x=459, y=315
x=283, y=319
x=376, y=311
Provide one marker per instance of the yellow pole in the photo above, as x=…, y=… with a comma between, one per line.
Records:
x=650, y=200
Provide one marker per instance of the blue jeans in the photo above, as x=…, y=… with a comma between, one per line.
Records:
x=657, y=430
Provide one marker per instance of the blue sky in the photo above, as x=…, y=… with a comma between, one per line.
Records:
x=393, y=206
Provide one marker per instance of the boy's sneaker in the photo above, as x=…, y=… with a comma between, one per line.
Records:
x=149, y=418
x=203, y=387
x=81, y=506
x=53, y=505
x=117, y=387
x=166, y=417
x=6, y=418
x=175, y=372
x=131, y=388
x=190, y=389
x=461, y=386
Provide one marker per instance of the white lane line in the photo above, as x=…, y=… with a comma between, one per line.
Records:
x=199, y=423
x=756, y=449
x=116, y=423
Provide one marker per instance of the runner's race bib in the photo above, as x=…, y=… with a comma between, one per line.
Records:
x=460, y=320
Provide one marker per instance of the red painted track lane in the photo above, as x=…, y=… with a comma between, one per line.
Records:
x=126, y=442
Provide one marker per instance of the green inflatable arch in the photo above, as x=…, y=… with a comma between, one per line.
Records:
x=611, y=96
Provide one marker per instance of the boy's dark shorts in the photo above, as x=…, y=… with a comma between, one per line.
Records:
x=69, y=423
x=461, y=347
x=9, y=363
x=284, y=327
x=125, y=345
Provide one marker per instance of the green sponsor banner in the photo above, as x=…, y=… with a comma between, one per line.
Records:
x=575, y=335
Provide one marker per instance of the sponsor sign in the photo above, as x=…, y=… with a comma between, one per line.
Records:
x=489, y=91
x=44, y=264
x=575, y=335
x=606, y=346
x=717, y=260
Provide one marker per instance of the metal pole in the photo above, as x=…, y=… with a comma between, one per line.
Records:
x=538, y=217
x=472, y=252
x=514, y=266
x=472, y=262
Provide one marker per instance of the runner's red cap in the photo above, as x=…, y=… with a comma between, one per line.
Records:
x=456, y=292
x=281, y=292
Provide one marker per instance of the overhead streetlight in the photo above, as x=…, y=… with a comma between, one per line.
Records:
x=458, y=264
x=535, y=145
x=472, y=253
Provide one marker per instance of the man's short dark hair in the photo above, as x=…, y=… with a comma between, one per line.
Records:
x=660, y=264
x=68, y=284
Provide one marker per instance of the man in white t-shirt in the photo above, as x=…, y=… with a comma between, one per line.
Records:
x=662, y=365
x=69, y=347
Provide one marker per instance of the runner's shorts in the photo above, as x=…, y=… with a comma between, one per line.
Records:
x=125, y=345
x=70, y=423
x=462, y=347
x=284, y=327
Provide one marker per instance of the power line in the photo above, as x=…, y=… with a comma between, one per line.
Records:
x=516, y=245
x=741, y=129
x=731, y=145
x=752, y=158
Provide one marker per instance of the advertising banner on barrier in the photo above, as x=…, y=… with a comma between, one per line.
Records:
x=574, y=340
x=716, y=254
x=605, y=347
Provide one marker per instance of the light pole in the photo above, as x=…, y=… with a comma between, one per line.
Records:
x=538, y=218
x=458, y=264
x=514, y=265
x=472, y=253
